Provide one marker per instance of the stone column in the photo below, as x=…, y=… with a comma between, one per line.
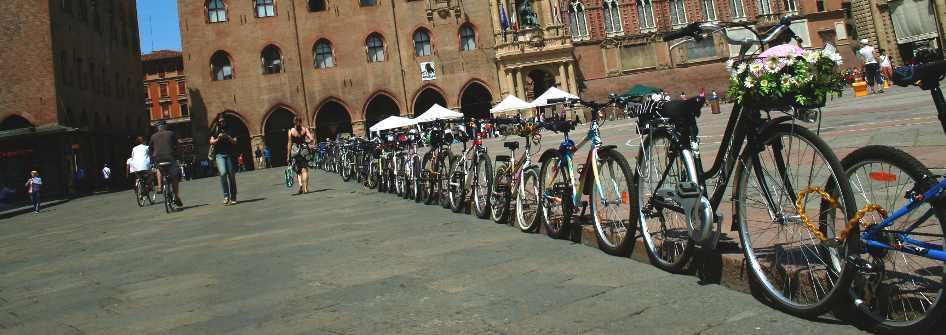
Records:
x=497, y=21
x=573, y=86
x=509, y=82
x=358, y=128
x=520, y=86
x=563, y=79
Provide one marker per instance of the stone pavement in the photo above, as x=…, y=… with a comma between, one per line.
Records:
x=342, y=260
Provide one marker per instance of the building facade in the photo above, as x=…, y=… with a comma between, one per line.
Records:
x=77, y=102
x=341, y=67
x=165, y=95
x=907, y=29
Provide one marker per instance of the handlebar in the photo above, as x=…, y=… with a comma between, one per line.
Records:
x=695, y=32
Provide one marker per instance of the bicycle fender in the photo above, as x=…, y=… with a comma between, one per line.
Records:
x=549, y=154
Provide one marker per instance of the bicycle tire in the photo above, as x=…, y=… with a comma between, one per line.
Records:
x=666, y=239
x=615, y=219
x=458, y=192
x=152, y=191
x=446, y=161
x=418, y=185
x=168, y=196
x=479, y=188
x=371, y=180
x=527, y=201
x=430, y=182
x=910, y=298
x=556, y=209
x=403, y=178
x=346, y=167
x=140, y=192
x=781, y=253
x=500, y=194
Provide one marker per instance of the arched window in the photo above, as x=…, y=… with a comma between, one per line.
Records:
x=576, y=17
x=118, y=86
x=737, y=10
x=709, y=10
x=93, y=78
x=265, y=8
x=131, y=93
x=108, y=24
x=65, y=69
x=467, y=38
x=272, y=60
x=121, y=25
x=421, y=43
x=645, y=15
x=79, y=71
x=765, y=7
x=220, y=67
x=67, y=5
x=612, y=18
x=323, y=55
x=317, y=5
x=375, y=49
x=216, y=11
x=678, y=13
x=80, y=10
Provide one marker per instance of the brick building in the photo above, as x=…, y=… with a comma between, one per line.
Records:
x=905, y=28
x=165, y=95
x=340, y=66
x=69, y=90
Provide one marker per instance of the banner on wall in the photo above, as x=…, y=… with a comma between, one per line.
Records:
x=427, y=71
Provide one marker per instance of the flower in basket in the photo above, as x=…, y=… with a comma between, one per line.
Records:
x=804, y=77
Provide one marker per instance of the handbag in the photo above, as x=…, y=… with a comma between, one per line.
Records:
x=212, y=153
x=295, y=151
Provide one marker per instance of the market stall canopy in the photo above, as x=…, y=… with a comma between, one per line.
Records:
x=552, y=93
x=393, y=122
x=510, y=103
x=640, y=90
x=438, y=112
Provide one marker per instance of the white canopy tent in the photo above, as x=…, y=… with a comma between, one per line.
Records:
x=551, y=93
x=437, y=112
x=510, y=103
x=393, y=122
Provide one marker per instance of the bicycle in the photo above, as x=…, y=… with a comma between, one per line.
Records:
x=797, y=272
x=168, y=191
x=471, y=169
x=605, y=177
x=520, y=177
x=899, y=284
x=435, y=164
x=408, y=167
x=144, y=189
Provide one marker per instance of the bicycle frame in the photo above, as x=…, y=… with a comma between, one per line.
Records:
x=922, y=248
x=567, y=149
x=524, y=162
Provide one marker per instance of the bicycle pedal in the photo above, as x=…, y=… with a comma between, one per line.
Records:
x=561, y=189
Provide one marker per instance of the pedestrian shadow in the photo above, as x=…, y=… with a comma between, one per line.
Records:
x=189, y=207
x=29, y=209
x=251, y=200
x=322, y=190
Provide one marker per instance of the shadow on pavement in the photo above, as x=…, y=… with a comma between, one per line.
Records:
x=251, y=200
x=29, y=209
x=189, y=207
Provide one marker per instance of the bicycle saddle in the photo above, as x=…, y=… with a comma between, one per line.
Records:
x=679, y=108
x=562, y=126
x=907, y=75
x=511, y=145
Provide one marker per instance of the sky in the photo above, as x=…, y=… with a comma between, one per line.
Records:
x=163, y=25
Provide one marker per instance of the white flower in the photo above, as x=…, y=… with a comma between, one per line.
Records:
x=835, y=57
x=741, y=68
x=789, y=60
x=786, y=80
x=772, y=59
x=771, y=67
x=755, y=67
x=730, y=65
x=811, y=56
x=749, y=82
x=792, y=81
x=764, y=83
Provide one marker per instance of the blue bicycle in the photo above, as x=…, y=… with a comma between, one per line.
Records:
x=898, y=285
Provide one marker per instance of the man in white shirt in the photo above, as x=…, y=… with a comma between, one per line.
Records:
x=655, y=96
x=870, y=65
x=106, y=173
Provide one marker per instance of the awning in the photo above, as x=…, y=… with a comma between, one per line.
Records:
x=913, y=20
x=510, y=103
x=552, y=93
x=438, y=112
x=639, y=91
x=392, y=122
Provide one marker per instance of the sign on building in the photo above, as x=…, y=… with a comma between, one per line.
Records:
x=427, y=71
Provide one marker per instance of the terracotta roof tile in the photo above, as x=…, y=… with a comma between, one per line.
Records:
x=162, y=54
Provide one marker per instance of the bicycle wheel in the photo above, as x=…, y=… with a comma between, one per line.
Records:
x=430, y=181
x=556, y=200
x=500, y=194
x=403, y=177
x=527, y=201
x=168, y=196
x=446, y=164
x=905, y=296
x=347, y=164
x=479, y=188
x=152, y=193
x=612, y=205
x=795, y=270
x=417, y=184
x=458, y=185
x=663, y=224
x=140, y=192
x=371, y=180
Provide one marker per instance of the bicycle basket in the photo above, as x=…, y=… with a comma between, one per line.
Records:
x=785, y=76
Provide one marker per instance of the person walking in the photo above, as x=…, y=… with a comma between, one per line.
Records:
x=269, y=162
x=299, y=154
x=33, y=185
x=224, y=143
x=885, y=67
x=259, y=158
x=106, y=173
x=870, y=66
x=240, y=161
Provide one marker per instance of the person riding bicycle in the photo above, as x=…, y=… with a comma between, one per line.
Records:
x=140, y=162
x=164, y=148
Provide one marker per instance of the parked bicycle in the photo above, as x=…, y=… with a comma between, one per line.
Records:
x=471, y=173
x=518, y=178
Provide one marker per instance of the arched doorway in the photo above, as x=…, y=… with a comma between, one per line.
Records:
x=537, y=82
x=84, y=120
x=381, y=107
x=242, y=133
x=476, y=101
x=331, y=120
x=426, y=99
x=275, y=134
x=14, y=122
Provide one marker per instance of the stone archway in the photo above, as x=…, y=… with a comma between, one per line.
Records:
x=14, y=122
x=275, y=133
x=476, y=101
x=242, y=134
x=537, y=82
x=331, y=120
x=380, y=107
x=426, y=99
